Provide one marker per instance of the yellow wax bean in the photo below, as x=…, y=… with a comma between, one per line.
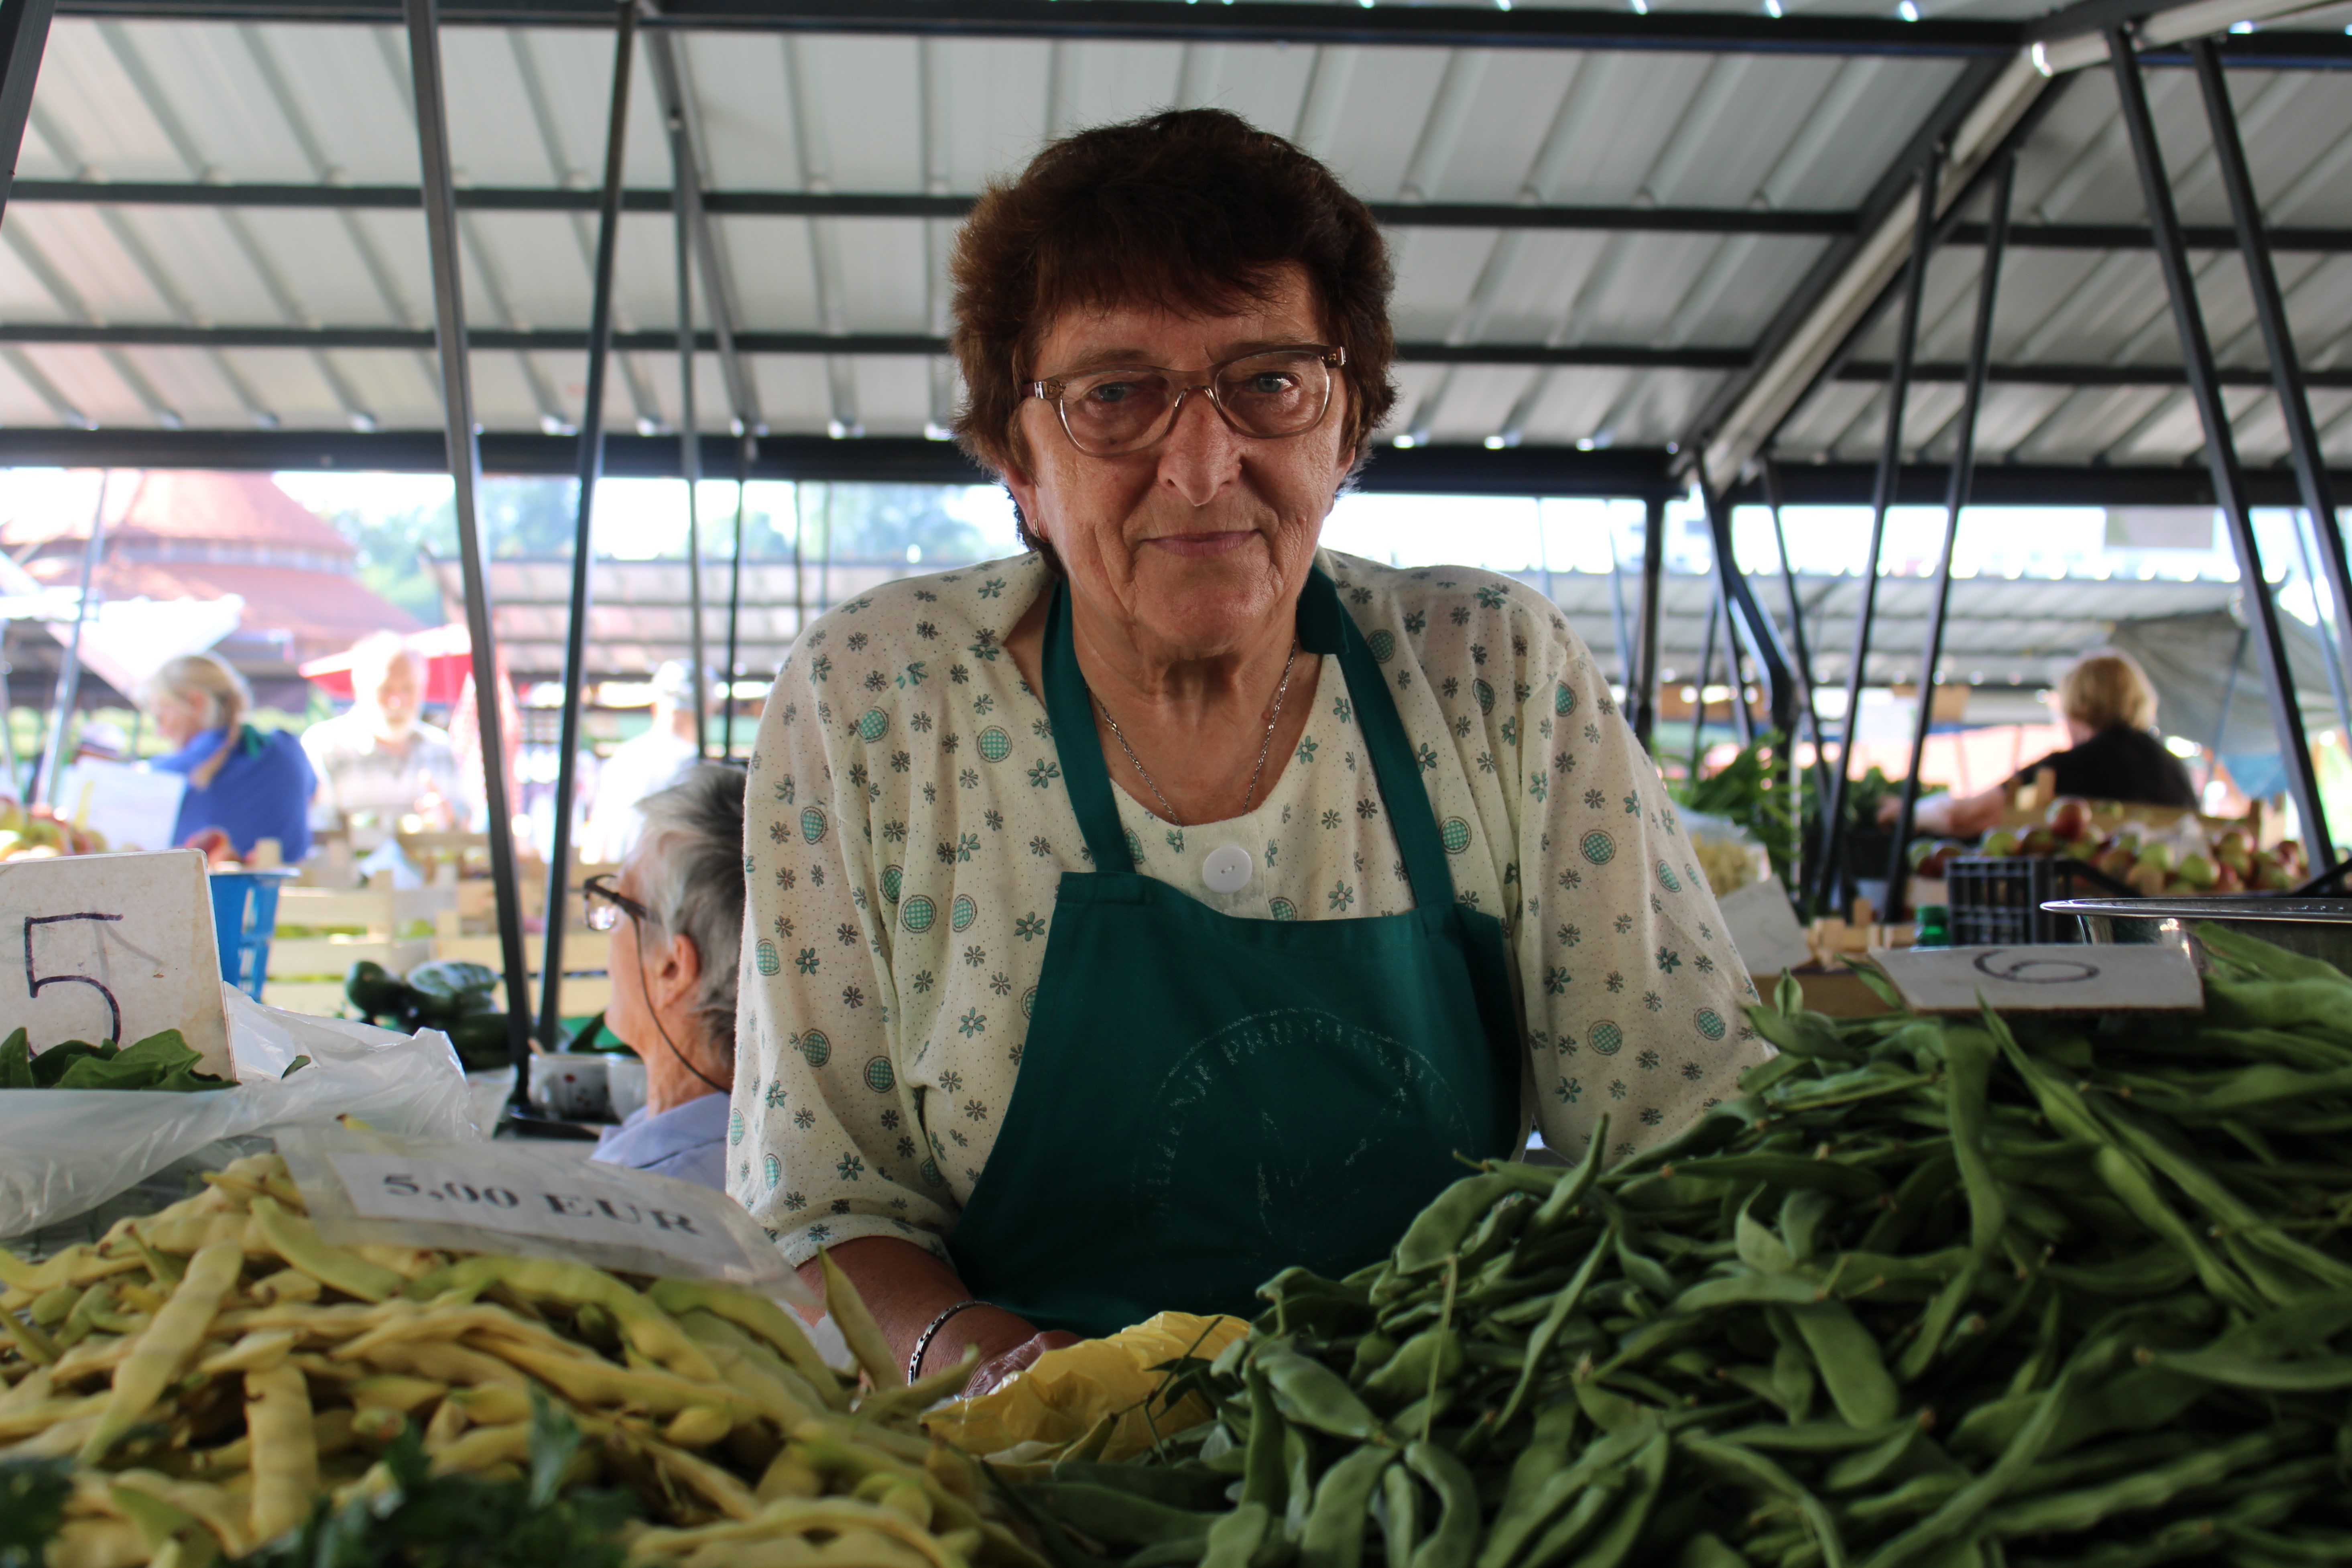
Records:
x=494, y=1403
x=286, y=1286
x=50, y=1306
x=99, y=1352
x=98, y=1543
x=482, y=1447
x=34, y=1388
x=593, y=1384
x=752, y=1370
x=144, y=1298
x=722, y=1492
x=208, y=1504
x=27, y=1420
x=396, y=1392
x=788, y=1475
x=166, y=1271
x=859, y=1329
x=191, y=1233
x=650, y=1331
x=167, y=1346
x=57, y=1442
x=774, y=1324
x=294, y=1238
x=796, y=1516
x=697, y=1427
x=285, y=1458
x=914, y=1398
x=259, y=1351
x=447, y=1423
x=332, y=1430
x=36, y=1345
x=230, y=1459
x=445, y=1364
x=335, y=1323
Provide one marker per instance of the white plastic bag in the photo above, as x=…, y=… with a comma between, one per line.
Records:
x=63, y=1151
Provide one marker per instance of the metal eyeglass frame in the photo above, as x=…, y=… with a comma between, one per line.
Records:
x=607, y=914
x=1052, y=388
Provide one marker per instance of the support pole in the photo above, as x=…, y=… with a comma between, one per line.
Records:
x=1955, y=497
x=744, y=444
x=1618, y=628
x=583, y=538
x=1743, y=723
x=1698, y=704
x=689, y=449
x=465, y=471
x=2221, y=449
x=1643, y=699
x=2286, y=367
x=53, y=762
x=1890, y=462
x=23, y=36
x=1805, y=658
x=1746, y=614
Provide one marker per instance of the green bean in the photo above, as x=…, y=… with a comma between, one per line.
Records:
x=1438, y=1232
x=1233, y=1539
x=1852, y=1370
x=1401, y=1516
x=1753, y=1469
x=1265, y=1479
x=1615, y=1543
x=1312, y=1395
x=1454, y=1542
x=1563, y=1304
x=1572, y=1189
x=1334, y=1532
x=1114, y=1515
x=2072, y=1510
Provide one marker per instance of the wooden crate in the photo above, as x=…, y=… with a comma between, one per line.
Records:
x=379, y=912
x=331, y=957
x=585, y=951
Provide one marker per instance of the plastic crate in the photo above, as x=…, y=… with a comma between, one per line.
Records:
x=244, y=913
x=1996, y=900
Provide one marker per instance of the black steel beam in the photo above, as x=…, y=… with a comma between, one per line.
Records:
x=1958, y=101
x=460, y=457
x=2290, y=381
x=23, y=37
x=1793, y=224
x=2012, y=484
x=590, y=469
x=1955, y=497
x=1150, y=21
x=1641, y=696
x=1830, y=881
x=2167, y=375
x=2133, y=236
x=565, y=339
x=2221, y=448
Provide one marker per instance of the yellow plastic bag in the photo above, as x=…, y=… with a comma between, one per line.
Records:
x=1069, y=1392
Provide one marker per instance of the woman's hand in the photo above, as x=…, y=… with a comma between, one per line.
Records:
x=991, y=1374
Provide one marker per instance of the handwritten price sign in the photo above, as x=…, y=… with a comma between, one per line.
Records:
x=2079, y=978
x=112, y=947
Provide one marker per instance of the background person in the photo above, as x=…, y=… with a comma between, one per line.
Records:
x=245, y=784
x=1136, y=918
x=380, y=762
x=641, y=765
x=676, y=913
x=2108, y=708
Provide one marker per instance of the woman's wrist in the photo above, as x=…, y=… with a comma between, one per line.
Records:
x=992, y=1329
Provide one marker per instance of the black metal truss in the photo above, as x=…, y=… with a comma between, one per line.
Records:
x=2057, y=375
x=2021, y=484
x=1154, y=21
x=1790, y=224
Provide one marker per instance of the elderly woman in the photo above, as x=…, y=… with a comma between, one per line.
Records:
x=676, y=913
x=1174, y=903
x=245, y=784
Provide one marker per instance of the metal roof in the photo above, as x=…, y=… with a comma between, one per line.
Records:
x=216, y=224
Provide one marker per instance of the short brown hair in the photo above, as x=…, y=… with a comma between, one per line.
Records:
x=1194, y=209
x=2107, y=689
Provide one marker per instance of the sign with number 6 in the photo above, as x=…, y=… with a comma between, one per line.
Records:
x=112, y=947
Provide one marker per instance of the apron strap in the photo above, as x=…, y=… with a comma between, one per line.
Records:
x=1413, y=816
x=1079, y=748
x=1324, y=627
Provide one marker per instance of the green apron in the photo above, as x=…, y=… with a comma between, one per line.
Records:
x=1205, y=1100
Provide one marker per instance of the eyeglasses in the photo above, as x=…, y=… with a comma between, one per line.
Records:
x=606, y=903
x=1270, y=394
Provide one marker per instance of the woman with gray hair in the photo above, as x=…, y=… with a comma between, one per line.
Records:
x=680, y=895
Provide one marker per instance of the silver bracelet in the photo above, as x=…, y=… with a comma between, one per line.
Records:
x=923, y=1343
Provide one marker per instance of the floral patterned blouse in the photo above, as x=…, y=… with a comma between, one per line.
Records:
x=905, y=825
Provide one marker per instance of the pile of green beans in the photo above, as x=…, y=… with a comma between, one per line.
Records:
x=1956, y=1293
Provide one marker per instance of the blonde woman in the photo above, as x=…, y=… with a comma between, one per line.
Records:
x=245, y=784
x=2112, y=751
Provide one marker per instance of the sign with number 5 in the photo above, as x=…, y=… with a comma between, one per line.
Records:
x=112, y=947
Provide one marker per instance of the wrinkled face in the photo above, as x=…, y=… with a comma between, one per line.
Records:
x=1194, y=543
x=394, y=698
x=627, y=1015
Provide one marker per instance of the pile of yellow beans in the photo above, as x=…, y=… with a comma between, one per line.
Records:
x=214, y=1370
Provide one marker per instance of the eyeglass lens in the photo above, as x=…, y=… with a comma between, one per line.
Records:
x=602, y=912
x=1279, y=393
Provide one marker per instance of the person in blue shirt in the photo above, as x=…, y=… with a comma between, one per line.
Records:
x=245, y=784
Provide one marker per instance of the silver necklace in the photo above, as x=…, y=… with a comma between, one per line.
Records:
x=1265, y=746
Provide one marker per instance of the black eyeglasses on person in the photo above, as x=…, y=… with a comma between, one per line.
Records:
x=606, y=903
